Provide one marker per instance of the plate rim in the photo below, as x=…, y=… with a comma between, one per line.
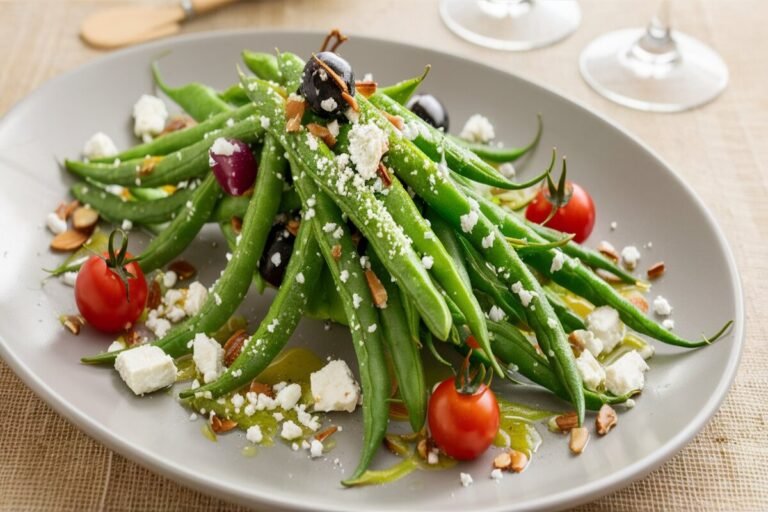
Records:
x=576, y=496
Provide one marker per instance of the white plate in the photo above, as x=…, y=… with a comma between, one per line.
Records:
x=629, y=183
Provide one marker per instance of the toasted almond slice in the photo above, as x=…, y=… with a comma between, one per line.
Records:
x=325, y=434
x=69, y=240
x=502, y=460
x=220, y=426
x=321, y=132
x=378, y=292
x=383, y=173
x=607, y=276
x=148, y=165
x=261, y=388
x=519, y=461
x=351, y=101
x=84, y=218
x=234, y=346
x=293, y=226
x=606, y=419
x=396, y=121
x=656, y=270
x=177, y=123
x=64, y=210
x=183, y=269
x=639, y=302
x=73, y=323
x=154, y=295
x=336, y=252
x=237, y=224
x=293, y=125
x=366, y=87
x=294, y=111
x=579, y=440
x=568, y=421
x=608, y=250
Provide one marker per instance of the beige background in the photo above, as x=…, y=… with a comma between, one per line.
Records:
x=721, y=149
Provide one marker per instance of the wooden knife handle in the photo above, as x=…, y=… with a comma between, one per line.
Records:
x=203, y=6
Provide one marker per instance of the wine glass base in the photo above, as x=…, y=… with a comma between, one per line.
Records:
x=697, y=76
x=511, y=25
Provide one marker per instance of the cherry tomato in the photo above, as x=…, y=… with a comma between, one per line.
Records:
x=101, y=298
x=463, y=425
x=576, y=217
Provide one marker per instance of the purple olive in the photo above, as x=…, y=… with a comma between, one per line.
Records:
x=233, y=165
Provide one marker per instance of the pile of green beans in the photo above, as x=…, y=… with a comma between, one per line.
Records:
x=420, y=216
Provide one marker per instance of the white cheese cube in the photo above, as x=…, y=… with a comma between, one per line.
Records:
x=149, y=114
x=208, y=356
x=99, y=146
x=591, y=372
x=289, y=396
x=626, y=374
x=145, y=369
x=334, y=388
x=605, y=324
x=196, y=295
x=291, y=431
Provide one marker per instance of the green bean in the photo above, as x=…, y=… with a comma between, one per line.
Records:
x=403, y=349
x=236, y=206
x=177, y=140
x=360, y=310
x=439, y=148
x=583, y=282
x=441, y=194
x=115, y=209
x=568, y=319
x=291, y=67
x=402, y=91
x=362, y=207
x=181, y=165
x=278, y=324
x=198, y=100
x=235, y=96
x=325, y=303
x=183, y=228
x=228, y=232
x=500, y=155
x=263, y=65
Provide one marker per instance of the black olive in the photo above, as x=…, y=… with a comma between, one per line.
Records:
x=271, y=267
x=429, y=109
x=322, y=92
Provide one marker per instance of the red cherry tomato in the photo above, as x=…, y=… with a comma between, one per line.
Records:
x=576, y=217
x=463, y=425
x=101, y=298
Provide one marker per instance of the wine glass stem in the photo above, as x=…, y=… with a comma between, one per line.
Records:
x=656, y=45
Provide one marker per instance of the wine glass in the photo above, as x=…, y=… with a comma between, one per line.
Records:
x=514, y=25
x=654, y=69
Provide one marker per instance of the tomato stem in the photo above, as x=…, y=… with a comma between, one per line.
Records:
x=559, y=194
x=116, y=261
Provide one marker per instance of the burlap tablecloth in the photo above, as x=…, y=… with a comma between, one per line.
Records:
x=48, y=464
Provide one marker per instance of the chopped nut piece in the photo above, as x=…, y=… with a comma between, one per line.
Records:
x=294, y=111
x=656, y=270
x=154, y=295
x=293, y=227
x=149, y=164
x=608, y=250
x=336, y=252
x=607, y=276
x=183, y=269
x=351, y=101
x=220, y=426
x=577, y=343
x=325, y=434
x=177, y=123
x=261, y=388
x=519, y=461
x=423, y=447
x=579, y=439
x=73, y=323
x=639, y=302
x=568, y=421
x=69, y=240
x=84, y=218
x=366, y=88
x=237, y=224
x=606, y=419
x=378, y=292
x=321, y=132
x=396, y=121
x=234, y=346
x=64, y=210
x=502, y=461
x=383, y=173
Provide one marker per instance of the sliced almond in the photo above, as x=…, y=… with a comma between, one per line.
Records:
x=325, y=434
x=608, y=250
x=237, y=224
x=383, y=173
x=154, y=295
x=397, y=121
x=378, y=292
x=566, y=422
x=148, y=165
x=519, y=461
x=184, y=270
x=351, y=101
x=336, y=252
x=73, y=323
x=321, y=132
x=69, y=240
x=366, y=87
x=177, y=123
x=579, y=440
x=294, y=111
x=606, y=419
x=220, y=426
x=84, y=218
x=234, y=346
x=502, y=460
x=607, y=276
x=293, y=226
x=656, y=270
x=64, y=210
x=639, y=302
x=261, y=389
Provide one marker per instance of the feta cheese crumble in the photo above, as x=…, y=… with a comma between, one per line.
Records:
x=496, y=314
x=55, y=224
x=334, y=388
x=427, y=261
x=99, y=146
x=149, y=115
x=468, y=221
x=208, y=356
x=223, y=147
x=478, y=129
x=315, y=449
x=526, y=296
x=367, y=144
x=487, y=241
x=196, y=295
x=254, y=434
x=605, y=324
x=497, y=475
x=588, y=340
x=145, y=369
x=466, y=479
x=329, y=104
x=661, y=306
x=68, y=278
x=557, y=261
x=630, y=256
x=291, y=431
x=289, y=396
x=626, y=374
x=591, y=372
x=668, y=324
